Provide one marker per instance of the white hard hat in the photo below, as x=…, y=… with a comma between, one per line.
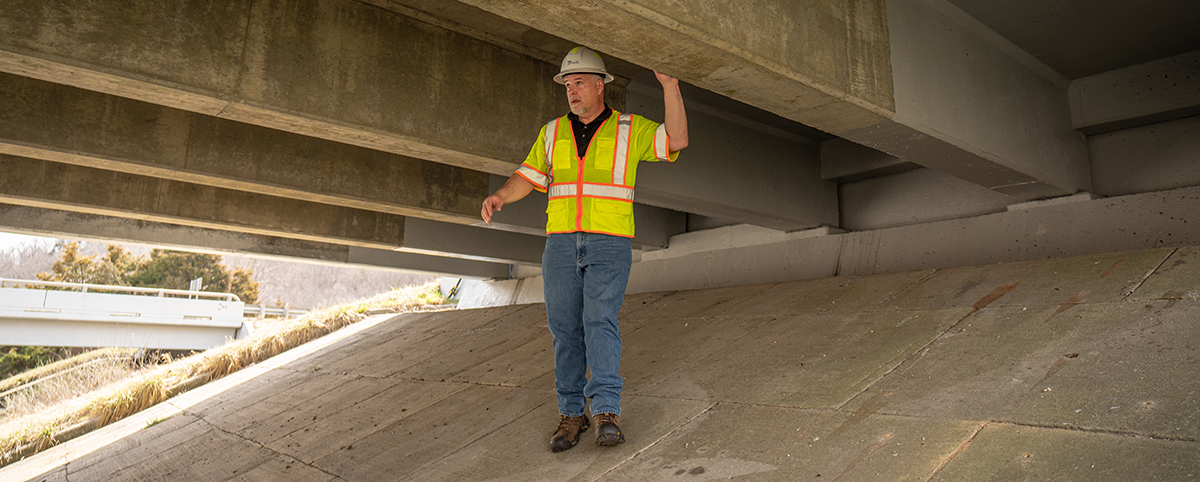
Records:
x=582, y=60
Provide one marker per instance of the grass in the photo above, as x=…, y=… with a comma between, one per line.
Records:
x=62, y=365
x=67, y=381
x=23, y=436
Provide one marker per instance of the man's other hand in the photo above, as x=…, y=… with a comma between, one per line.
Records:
x=491, y=204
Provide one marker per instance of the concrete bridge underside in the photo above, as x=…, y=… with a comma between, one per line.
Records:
x=368, y=132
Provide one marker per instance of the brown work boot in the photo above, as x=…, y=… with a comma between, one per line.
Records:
x=607, y=431
x=567, y=434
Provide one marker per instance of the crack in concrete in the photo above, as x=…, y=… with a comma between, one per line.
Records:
x=260, y=445
x=1130, y=290
x=902, y=290
x=962, y=447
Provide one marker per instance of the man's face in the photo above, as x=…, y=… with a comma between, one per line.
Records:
x=585, y=93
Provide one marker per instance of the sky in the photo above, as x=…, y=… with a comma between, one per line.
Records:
x=8, y=241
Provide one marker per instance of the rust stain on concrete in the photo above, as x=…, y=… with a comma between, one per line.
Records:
x=1114, y=266
x=868, y=408
x=1066, y=305
x=1058, y=365
x=864, y=454
x=994, y=295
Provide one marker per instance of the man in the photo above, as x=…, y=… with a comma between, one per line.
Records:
x=587, y=162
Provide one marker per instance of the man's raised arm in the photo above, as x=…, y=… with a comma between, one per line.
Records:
x=674, y=119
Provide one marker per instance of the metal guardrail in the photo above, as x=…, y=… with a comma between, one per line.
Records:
x=84, y=287
x=261, y=311
x=50, y=313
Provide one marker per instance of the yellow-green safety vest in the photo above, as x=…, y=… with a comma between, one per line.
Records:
x=594, y=194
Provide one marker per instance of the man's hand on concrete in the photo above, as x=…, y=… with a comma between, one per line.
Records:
x=675, y=118
x=666, y=80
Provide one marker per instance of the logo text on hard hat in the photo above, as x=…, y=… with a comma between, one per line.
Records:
x=570, y=62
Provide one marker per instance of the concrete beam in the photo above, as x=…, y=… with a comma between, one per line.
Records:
x=58, y=223
x=45, y=184
x=37, y=183
x=470, y=242
x=971, y=104
x=76, y=126
x=738, y=255
x=844, y=161
x=914, y=197
x=917, y=79
x=1153, y=157
x=340, y=70
x=314, y=69
x=822, y=63
x=1148, y=93
x=734, y=167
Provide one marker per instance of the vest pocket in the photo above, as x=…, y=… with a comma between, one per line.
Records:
x=558, y=205
x=564, y=151
x=605, y=147
x=609, y=206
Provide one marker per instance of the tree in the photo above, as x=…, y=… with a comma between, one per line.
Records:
x=71, y=267
x=176, y=269
x=164, y=269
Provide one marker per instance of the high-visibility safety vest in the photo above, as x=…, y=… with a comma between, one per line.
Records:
x=594, y=194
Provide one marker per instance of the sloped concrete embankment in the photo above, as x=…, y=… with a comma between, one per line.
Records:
x=1070, y=369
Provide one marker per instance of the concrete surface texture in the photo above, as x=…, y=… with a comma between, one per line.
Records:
x=1077, y=368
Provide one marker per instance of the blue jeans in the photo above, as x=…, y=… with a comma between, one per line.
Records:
x=585, y=276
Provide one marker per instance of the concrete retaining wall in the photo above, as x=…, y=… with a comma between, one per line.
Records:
x=742, y=254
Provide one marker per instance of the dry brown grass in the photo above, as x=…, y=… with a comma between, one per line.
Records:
x=30, y=434
x=67, y=383
x=60, y=366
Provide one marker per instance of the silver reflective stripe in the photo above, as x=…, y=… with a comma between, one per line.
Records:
x=617, y=192
x=548, y=141
x=660, y=143
x=624, y=123
x=592, y=190
x=560, y=190
x=538, y=178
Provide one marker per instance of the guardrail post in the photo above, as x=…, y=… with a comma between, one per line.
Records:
x=262, y=311
x=286, y=313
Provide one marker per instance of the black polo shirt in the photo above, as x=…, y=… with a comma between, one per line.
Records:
x=583, y=132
